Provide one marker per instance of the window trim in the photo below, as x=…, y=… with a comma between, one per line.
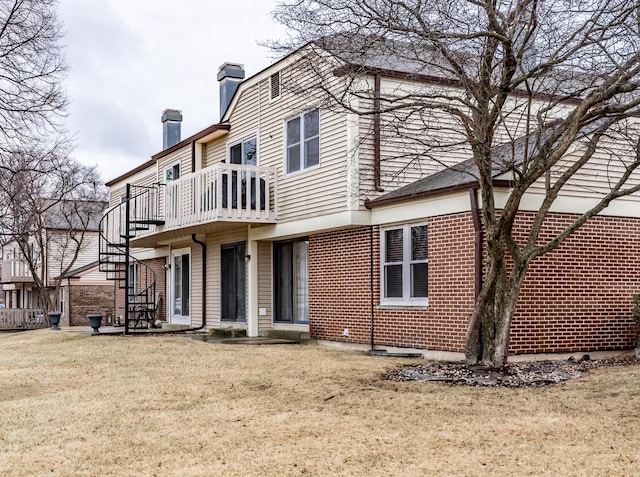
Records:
x=301, y=143
x=241, y=141
x=172, y=166
x=406, y=299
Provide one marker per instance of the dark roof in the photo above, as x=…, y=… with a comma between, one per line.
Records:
x=74, y=215
x=452, y=178
x=421, y=61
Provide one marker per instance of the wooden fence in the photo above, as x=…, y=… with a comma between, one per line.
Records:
x=21, y=319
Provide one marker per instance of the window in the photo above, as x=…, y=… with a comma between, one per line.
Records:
x=404, y=265
x=172, y=173
x=245, y=152
x=291, y=281
x=274, y=85
x=133, y=283
x=303, y=141
x=181, y=287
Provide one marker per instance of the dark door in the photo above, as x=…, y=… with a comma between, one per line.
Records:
x=233, y=279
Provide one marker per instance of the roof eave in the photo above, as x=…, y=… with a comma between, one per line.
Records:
x=371, y=204
x=209, y=133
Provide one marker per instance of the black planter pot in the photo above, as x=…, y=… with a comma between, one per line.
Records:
x=54, y=318
x=95, y=321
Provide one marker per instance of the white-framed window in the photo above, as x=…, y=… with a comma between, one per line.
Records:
x=172, y=172
x=303, y=141
x=404, y=265
x=244, y=152
x=274, y=86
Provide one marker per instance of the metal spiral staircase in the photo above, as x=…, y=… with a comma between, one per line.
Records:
x=139, y=211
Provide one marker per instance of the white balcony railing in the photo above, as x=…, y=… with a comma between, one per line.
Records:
x=225, y=192
x=15, y=270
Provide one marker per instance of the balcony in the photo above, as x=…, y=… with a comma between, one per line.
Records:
x=16, y=271
x=218, y=195
x=17, y=319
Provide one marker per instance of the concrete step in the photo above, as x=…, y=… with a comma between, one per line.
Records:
x=287, y=335
x=228, y=333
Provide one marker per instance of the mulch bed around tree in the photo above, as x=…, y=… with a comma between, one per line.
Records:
x=513, y=375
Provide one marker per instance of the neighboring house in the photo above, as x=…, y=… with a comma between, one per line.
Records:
x=86, y=290
x=82, y=289
x=290, y=216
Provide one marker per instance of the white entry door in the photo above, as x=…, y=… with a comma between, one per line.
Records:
x=181, y=287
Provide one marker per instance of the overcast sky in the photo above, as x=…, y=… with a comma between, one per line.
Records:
x=131, y=59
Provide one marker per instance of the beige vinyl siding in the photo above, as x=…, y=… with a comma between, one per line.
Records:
x=115, y=195
x=118, y=191
x=265, y=287
x=214, y=243
x=181, y=156
x=92, y=277
x=307, y=193
x=215, y=152
x=417, y=144
x=410, y=156
x=61, y=249
x=601, y=172
x=413, y=144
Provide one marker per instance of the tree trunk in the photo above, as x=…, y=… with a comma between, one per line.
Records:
x=489, y=328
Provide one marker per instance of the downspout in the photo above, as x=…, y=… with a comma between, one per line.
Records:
x=204, y=281
x=477, y=255
x=371, y=284
x=376, y=134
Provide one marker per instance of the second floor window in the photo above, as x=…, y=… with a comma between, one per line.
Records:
x=172, y=173
x=303, y=141
x=245, y=152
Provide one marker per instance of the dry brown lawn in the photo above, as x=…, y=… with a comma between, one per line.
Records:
x=75, y=405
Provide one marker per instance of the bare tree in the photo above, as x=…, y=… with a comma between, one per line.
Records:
x=32, y=68
x=48, y=201
x=545, y=91
x=50, y=206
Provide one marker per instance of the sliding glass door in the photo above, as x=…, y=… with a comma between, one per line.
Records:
x=233, y=282
x=291, y=281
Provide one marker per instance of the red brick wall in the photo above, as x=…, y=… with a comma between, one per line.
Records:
x=85, y=299
x=580, y=296
x=576, y=298
x=339, y=288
